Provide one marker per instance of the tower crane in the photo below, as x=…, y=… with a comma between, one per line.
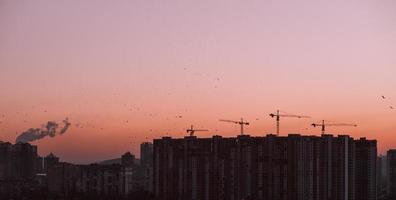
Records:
x=324, y=125
x=278, y=116
x=191, y=130
x=241, y=123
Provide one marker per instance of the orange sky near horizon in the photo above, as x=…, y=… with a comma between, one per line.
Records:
x=122, y=72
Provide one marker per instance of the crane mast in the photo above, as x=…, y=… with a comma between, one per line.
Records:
x=277, y=116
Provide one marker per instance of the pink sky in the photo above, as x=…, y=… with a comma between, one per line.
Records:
x=101, y=63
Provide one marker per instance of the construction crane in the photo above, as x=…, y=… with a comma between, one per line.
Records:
x=278, y=116
x=191, y=130
x=241, y=123
x=324, y=125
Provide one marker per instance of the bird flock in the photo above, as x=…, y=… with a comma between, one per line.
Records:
x=136, y=110
x=384, y=98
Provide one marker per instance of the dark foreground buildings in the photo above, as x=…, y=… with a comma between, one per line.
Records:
x=25, y=175
x=278, y=168
x=391, y=174
x=19, y=164
x=295, y=167
x=121, y=180
x=19, y=161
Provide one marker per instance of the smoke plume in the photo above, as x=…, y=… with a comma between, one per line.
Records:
x=49, y=129
x=66, y=125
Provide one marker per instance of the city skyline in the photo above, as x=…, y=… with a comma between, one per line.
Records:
x=128, y=72
x=242, y=167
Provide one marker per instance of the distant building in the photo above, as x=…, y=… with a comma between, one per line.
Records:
x=49, y=161
x=391, y=174
x=18, y=161
x=101, y=179
x=146, y=162
x=128, y=159
x=381, y=177
x=90, y=180
x=146, y=154
x=96, y=180
x=287, y=168
x=63, y=179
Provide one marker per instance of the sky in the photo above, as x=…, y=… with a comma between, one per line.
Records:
x=125, y=72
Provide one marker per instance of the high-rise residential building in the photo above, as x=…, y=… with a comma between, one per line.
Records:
x=18, y=161
x=286, y=168
x=381, y=176
x=18, y=167
x=391, y=174
x=342, y=168
x=146, y=154
x=146, y=164
x=366, y=169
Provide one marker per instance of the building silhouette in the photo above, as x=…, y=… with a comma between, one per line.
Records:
x=283, y=168
x=62, y=179
x=19, y=164
x=381, y=176
x=18, y=161
x=146, y=161
x=49, y=161
x=366, y=169
x=95, y=181
x=391, y=174
x=146, y=154
x=128, y=159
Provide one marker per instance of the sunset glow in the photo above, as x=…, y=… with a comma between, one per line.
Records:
x=126, y=72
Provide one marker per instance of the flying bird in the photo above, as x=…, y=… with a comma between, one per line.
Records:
x=391, y=107
x=383, y=97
